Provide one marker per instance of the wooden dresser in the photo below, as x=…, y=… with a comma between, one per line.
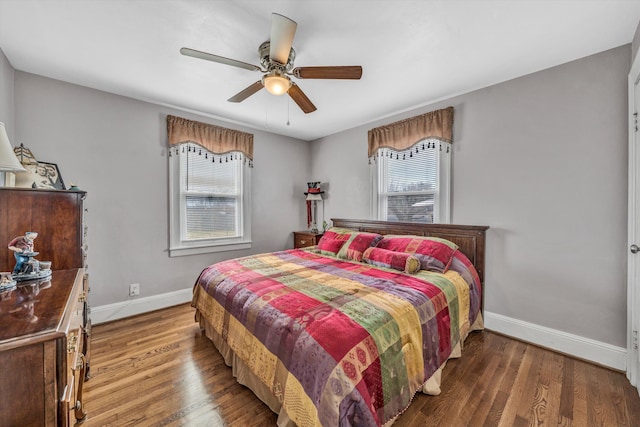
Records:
x=44, y=326
x=41, y=351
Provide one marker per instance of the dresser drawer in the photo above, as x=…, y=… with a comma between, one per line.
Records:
x=72, y=395
x=302, y=239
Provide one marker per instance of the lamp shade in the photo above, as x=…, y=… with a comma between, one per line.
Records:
x=8, y=160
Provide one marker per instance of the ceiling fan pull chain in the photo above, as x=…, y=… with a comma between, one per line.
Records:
x=288, y=102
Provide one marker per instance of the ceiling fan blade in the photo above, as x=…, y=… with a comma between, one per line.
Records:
x=301, y=99
x=347, y=72
x=245, y=93
x=283, y=30
x=220, y=59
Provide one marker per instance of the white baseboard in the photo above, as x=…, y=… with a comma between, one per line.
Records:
x=574, y=345
x=119, y=310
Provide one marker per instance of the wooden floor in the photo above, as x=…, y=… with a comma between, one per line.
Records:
x=158, y=369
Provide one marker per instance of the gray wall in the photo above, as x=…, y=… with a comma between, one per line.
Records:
x=635, y=43
x=542, y=160
x=6, y=95
x=114, y=148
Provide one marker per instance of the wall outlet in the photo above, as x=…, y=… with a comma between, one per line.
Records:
x=134, y=289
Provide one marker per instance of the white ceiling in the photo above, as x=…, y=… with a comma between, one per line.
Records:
x=412, y=52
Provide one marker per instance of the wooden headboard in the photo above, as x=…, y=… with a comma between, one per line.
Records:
x=469, y=238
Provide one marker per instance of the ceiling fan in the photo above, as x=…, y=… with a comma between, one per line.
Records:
x=276, y=58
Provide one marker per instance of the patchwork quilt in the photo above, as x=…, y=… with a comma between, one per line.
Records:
x=338, y=342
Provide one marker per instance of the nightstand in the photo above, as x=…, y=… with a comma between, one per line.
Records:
x=302, y=239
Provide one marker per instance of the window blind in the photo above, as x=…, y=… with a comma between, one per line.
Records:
x=409, y=185
x=211, y=194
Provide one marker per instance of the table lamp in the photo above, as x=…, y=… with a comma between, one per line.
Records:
x=8, y=161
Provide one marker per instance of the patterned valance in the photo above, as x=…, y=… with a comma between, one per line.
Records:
x=215, y=139
x=406, y=133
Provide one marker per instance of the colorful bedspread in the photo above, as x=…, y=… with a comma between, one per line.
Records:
x=339, y=343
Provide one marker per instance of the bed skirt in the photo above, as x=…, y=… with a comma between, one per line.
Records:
x=245, y=377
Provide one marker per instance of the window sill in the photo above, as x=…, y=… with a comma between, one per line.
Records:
x=206, y=249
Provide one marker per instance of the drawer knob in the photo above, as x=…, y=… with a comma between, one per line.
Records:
x=79, y=363
x=71, y=344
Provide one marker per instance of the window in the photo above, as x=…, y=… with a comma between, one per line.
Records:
x=210, y=202
x=412, y=185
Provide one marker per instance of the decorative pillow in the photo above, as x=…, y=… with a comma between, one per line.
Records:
x=397, y=260
x=332, y=240
x=357, y=244
x=435, y=254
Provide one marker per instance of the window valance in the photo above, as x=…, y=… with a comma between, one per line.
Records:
x=406, y=133
x=215, y=139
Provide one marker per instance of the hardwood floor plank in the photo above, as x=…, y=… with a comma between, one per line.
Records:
x=580, y=410
x=510, y=412
x=553, y=378
x=474, y=398
x=596, y=414
x=567, y=393
x=630, y=399
x=158, y=369
x=512, y=352
x=530, y=401
x=497, y=408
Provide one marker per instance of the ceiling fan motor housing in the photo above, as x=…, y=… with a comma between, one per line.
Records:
x=270, y=65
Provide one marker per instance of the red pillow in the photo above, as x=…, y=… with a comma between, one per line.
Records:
x=331, y=242
x=357, y=244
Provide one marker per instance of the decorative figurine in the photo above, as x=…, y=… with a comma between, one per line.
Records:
x=6, y=281
x=22, y=247
x=27, y=267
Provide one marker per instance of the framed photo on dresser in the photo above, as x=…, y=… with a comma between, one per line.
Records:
x=41, y=175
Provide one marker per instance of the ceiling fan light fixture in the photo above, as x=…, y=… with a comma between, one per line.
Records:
x=276, y=83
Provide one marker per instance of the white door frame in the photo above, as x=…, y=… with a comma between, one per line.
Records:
x=633, y=259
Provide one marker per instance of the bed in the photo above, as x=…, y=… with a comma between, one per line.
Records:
x=345, y=333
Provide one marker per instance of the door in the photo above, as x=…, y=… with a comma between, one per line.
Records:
x=633, y=264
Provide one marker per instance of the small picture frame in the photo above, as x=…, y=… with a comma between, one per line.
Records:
x=40, y=175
